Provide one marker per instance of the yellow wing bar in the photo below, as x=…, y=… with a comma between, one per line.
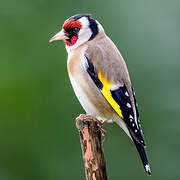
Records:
x=107, y=94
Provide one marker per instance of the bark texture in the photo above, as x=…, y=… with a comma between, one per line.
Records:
x=90, y=138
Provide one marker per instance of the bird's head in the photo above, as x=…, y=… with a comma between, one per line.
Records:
x=77, y=30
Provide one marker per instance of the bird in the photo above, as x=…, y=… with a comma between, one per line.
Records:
x=100, y=78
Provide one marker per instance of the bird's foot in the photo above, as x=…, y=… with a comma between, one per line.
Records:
x=103, y=132
x=84, y=117
x=99, y=123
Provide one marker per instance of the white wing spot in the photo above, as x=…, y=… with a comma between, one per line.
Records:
x=114, y=87
x=133, y=124
x=131, y=118
x=135, y=130
x=126, y=93
x=128, y=105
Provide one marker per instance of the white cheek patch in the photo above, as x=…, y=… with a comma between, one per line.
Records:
x=84, y=34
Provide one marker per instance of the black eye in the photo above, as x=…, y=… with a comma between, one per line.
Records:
x=76, y=29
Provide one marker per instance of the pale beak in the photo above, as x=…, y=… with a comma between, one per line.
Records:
x=59, y=36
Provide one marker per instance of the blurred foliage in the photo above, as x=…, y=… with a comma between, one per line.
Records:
x=38, y=138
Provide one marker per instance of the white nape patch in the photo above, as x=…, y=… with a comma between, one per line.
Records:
x=128, y=105
x=126, y=93
x=147, y=168
x=83, y=35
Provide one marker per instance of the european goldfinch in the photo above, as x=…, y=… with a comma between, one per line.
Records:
x=100, y=78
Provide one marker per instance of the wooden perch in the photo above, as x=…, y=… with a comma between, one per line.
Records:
x=90, y=138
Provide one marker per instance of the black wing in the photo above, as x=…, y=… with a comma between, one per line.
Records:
x=121, y=96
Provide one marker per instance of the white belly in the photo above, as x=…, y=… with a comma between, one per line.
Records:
x=83, y=98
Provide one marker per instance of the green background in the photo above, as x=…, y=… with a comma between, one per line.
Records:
x=38, y=138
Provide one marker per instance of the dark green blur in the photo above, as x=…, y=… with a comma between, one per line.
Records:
x=38, y=138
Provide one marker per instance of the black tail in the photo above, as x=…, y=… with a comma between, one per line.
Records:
x=143, y=156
